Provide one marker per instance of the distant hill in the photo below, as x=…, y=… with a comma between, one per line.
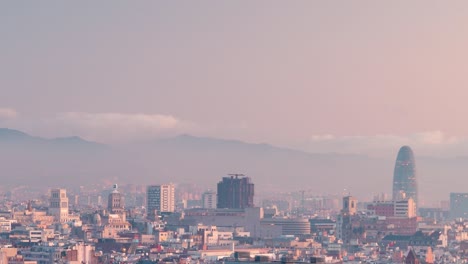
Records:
x=10, y=136
x=26, y=159
x=206, y=160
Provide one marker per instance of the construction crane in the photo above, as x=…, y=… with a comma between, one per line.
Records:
x=303, y=201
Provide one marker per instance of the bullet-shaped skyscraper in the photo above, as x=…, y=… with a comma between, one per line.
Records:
x=404, y=176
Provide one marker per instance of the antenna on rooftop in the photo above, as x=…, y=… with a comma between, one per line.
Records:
x=237, y=175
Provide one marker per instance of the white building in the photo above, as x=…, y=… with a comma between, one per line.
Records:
x=209, y=200
x=5, y=224
x=404, y=208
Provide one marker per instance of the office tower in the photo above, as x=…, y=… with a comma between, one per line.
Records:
x=160, y=199
x=459, y=205
x=58, y=204
x=209, y=200
x=115, y=204
x=404, y=176
x=235, y=192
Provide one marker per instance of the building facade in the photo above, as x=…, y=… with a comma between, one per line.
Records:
x=160, y=199
x=405, y=208
x=58, y=204
x=209, y=200
x=459, y=205
x=404, y=176
x=235, y=192
x=115, y=203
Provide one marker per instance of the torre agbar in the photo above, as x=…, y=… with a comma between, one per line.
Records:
x=404, y=176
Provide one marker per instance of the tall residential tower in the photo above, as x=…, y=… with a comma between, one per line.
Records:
x=404, y=176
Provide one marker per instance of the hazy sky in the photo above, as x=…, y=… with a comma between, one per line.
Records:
x=314, y=75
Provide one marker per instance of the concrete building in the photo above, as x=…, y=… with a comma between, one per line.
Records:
x=53, y=253
x=405, y=208
x=235, y=192
x=349, y=205
x=116, y=201
x=160, y=199
x=459, y=205
x=402, y=208
x=5, y=224
x=289, y=226
x=43, y=254
x=58, y=205
x=249, y=218
x=209, y=200
x=116, y=223
x=344, y=221
x=382, y=208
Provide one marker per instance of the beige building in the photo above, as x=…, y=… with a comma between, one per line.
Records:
x=6, y=253
x=116, y=223
x=405, y=208
x=209, y=200
x=349, y=205
x=116, y=203
x=39, y=218
x=58, y=204
x=160, y=199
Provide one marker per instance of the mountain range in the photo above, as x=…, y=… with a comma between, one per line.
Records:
x=73, y=161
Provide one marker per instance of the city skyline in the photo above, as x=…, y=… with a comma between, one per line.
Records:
x=233, y=132
x=205, y=159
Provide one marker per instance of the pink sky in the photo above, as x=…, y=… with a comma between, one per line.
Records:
x=262, y=71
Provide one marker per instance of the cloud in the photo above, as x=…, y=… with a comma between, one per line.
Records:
x=427, y=142
x=8, y=113
x=118, y=127
x=433, y=138
x=324, y=137
x=150, y=121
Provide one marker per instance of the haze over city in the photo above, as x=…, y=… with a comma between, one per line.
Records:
x=351, y=82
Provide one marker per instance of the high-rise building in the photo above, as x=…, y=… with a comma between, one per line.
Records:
x=459, y=205
x=115, y=204
x=404, y=176
x=58, y=204
x=235, y=191
x=160, y=199
x=209, y=200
